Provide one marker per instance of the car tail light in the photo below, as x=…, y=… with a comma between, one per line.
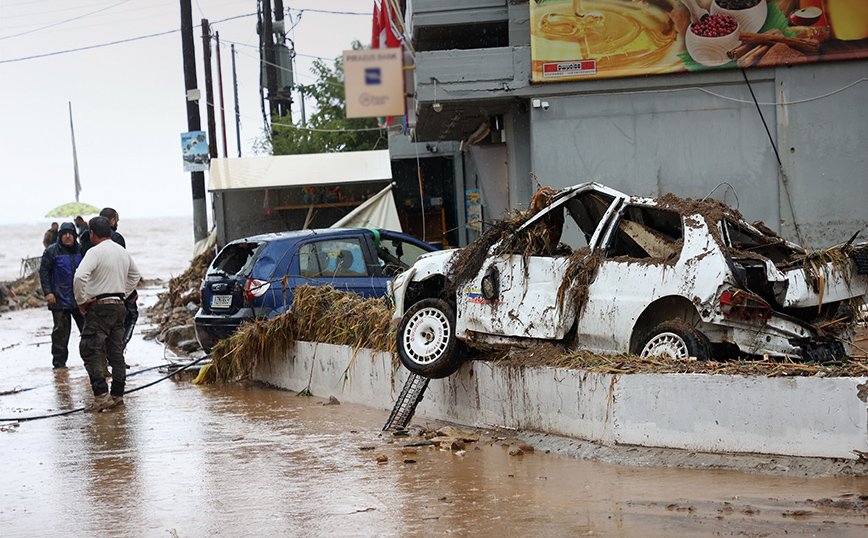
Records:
x=742, y=304
x=255, y=288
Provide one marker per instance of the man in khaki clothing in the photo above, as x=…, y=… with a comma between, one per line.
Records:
x=106, y=276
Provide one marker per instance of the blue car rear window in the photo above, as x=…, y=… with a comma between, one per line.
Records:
x=235, y=258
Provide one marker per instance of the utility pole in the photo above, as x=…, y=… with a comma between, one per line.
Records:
x=197, y=179
x=220, y=91
x=277, y=75
x=209, y=89
x=237, y=109
x=270, y=59
x=284, y=100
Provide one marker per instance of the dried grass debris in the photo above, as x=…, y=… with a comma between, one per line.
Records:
x=320, y=314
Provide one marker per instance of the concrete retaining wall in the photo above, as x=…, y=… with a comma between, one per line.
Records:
x=798, y=416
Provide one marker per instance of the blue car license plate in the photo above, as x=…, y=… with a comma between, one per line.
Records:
x=221, y=301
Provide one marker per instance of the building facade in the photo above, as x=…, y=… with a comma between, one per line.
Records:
x=785, y=144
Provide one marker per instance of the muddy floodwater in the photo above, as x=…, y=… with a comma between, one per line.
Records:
x=244, y=460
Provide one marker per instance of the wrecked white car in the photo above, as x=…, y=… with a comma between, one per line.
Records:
x=663, y=276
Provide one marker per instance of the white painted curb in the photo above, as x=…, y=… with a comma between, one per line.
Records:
x=793, y=416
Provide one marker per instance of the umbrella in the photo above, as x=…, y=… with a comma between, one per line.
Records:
x=73, y=209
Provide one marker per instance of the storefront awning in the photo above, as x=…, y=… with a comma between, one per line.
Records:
x=270, y=172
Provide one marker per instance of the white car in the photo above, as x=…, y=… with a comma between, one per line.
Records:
x=662, y=276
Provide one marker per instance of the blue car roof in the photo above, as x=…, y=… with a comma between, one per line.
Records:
x=326, y=232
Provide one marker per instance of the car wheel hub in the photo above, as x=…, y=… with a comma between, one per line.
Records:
x=426, y=335
x=666, y=345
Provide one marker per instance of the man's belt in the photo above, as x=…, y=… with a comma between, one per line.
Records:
x=110, y=298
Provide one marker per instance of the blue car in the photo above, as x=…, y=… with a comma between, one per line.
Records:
x=256, y=276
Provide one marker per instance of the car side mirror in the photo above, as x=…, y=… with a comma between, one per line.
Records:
x=491, y=284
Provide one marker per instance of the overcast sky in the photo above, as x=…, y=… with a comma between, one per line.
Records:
x=128, y=99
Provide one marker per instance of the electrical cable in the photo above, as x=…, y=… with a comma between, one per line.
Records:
x=66, y=21
x=778, y=157
x=139, y=38
x=71, y=411
x=725, y=97
x=760, y=112
x=16, y=391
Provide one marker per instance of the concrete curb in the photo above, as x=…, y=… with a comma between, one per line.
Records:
x=718, y=414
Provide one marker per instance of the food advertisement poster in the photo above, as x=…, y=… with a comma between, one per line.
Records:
x=589, y=39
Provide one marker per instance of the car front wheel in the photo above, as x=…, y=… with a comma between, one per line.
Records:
x=675, y=339
x=427, y=344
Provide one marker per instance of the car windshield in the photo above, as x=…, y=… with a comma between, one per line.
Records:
x=235, y=258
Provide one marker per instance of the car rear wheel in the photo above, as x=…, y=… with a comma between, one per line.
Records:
x=427, y=344
x=675, y=339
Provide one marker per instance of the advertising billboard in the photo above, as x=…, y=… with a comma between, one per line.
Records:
x=589, y=39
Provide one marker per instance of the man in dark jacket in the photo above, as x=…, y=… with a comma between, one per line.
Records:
x=112, y=215
x=56, y=273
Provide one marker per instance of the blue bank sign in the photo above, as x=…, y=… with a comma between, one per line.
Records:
x=374, y=83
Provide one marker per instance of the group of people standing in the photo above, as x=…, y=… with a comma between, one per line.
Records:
x=88, y=277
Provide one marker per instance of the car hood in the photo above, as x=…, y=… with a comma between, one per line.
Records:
x=433, y=263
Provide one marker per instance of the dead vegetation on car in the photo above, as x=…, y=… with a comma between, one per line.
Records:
x=320, y=314
x=549, y=355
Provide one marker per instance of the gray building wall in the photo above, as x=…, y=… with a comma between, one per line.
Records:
x=687, y=139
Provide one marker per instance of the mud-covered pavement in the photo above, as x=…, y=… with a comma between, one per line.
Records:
x=241, y=460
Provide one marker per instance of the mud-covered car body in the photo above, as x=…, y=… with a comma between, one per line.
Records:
x=255, y=276
x=657, y=276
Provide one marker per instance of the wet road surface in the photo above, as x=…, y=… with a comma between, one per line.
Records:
x=244, y=460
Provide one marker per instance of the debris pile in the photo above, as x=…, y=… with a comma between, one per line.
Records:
x=177, y=306
x=320, y=314
x=540, y=239
x=547, y=354
x=415, y=440
x=26, y=292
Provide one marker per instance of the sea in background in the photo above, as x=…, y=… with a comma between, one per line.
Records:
x=161, y=247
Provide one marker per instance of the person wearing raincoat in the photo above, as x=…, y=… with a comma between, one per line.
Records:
x=56, y=273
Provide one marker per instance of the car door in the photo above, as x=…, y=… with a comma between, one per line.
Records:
x=340, y=262
x=524, y=305
x=529, y=299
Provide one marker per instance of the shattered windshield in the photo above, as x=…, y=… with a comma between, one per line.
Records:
x=750, y=244
x=234, y=258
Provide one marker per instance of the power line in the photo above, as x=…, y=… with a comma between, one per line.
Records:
x=139, y=38
x=66, y=21
x=368, y=14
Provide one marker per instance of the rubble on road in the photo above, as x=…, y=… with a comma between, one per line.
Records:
x=175, y=308
x=26, y=292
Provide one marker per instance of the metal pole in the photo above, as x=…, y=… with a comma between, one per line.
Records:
x=237, y=109
x=283, y=105
x=197, y=179
x=220, y=91
x=209, y=90
x=270, y=60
